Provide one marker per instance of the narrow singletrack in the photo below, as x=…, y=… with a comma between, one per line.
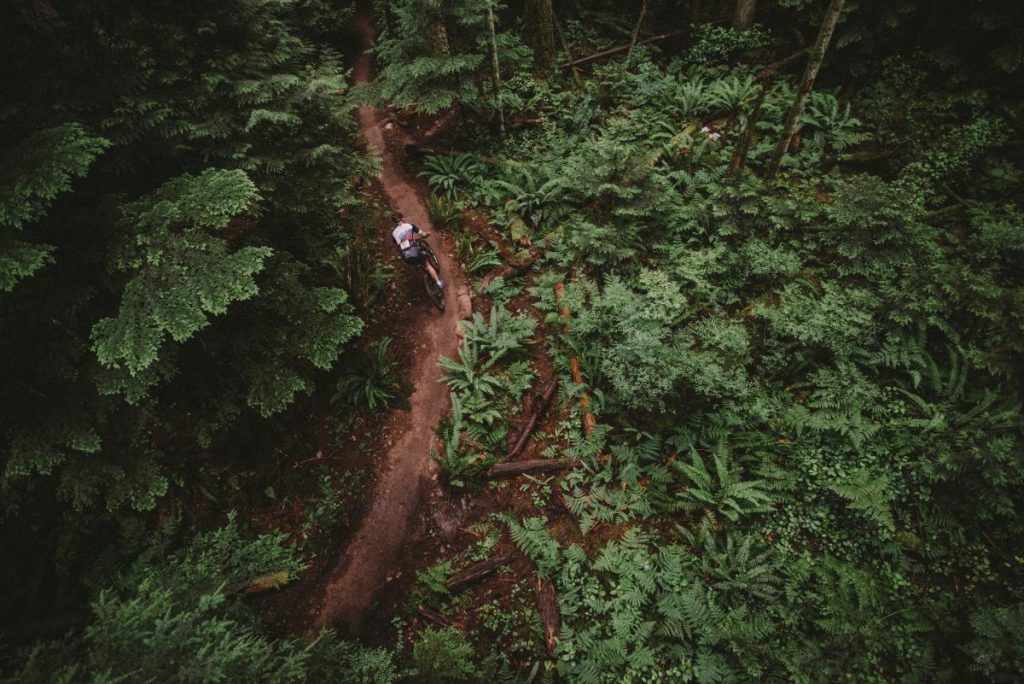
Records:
x=407, y=469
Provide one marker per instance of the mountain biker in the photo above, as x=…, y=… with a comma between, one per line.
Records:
x=405, y=235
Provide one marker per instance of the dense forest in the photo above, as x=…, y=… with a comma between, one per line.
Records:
x=735, y=394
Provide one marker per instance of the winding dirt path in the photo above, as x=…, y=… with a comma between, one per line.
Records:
x=407, y=470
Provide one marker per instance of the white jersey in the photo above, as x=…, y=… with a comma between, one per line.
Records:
x=402, y=234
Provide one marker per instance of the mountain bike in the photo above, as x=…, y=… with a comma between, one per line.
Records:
x=435, y=293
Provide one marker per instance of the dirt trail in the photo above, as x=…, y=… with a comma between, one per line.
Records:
x=407, y=469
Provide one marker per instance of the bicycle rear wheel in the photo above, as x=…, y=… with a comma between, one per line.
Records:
x=435, y=293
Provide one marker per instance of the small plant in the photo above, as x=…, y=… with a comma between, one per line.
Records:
x=432, y=581
x=514, y=622
x=539, y=489
x=719, y=44
x=447, y=174
x=721, y=492
x=444, y=212
x=444, y=655
x=380, y=276
x=457, y=462
x=334, y=505
x=485, y=260
x=535, y=201
x=371, y=381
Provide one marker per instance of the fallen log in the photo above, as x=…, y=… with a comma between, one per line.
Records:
x=258, y=585
x=460, y=580
x=422, y=150
x=531, y=424
x=435, y=618
x=787, y=60
x=622, y=48
x=514, y=267
x=577, y=374
x=541, y=465
x=547, y=606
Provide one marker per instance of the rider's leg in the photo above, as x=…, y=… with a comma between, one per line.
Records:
x=432, y=272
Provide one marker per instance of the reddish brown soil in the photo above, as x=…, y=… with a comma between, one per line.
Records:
x=406, y=471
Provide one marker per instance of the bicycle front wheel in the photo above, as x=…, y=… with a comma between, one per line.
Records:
x=435, y=293
x=431, y=257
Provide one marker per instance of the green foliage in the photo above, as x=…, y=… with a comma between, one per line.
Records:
x=532, y=538
x=180, y=272
x=773, y=358
x=35, y=173
x=722, y=492
x=447, y=174
x=41, y=168
x=337, y=497
x=996, y=648
x=168, y=196
x=831, y=128
x=530, y=199
x=444, y=213
x=177, y=620
x=868, y=494
x=420, y=68
x=372, y=381
x=459, y=461
x=633, y=482
x=433, y=578
x=822, y=371
x=444, y=655
x=719, y=43
x=486, y=382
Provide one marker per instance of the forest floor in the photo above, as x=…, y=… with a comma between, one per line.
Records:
x=406, y=473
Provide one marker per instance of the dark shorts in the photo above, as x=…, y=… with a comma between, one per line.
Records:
x=414, y=255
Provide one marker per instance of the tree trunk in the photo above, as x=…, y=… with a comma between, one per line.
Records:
x=495, y=71
x=539, y=23
x=568, y=53
x=739, y=159
x=743, y=19
x=439, y=44
x=636, y=31
x=828, y=25
x=695, y=11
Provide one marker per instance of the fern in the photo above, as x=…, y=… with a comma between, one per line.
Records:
x=868, y=493
x=447, y=175
x=532, y=538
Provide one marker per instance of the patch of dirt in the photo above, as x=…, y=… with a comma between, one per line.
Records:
x=407, y=471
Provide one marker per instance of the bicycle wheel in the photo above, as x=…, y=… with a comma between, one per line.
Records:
x=431, y=257
x=435, y=293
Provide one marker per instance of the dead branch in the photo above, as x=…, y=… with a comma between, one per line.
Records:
x=475, y=572
x=577, y=374
x=435, y=618
x=547, y=606
x=540, y=465
x=514, y=267
x=258, y=585
x=622, y=48
x=531, y=424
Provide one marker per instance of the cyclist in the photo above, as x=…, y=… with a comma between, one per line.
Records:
x=405, y=235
